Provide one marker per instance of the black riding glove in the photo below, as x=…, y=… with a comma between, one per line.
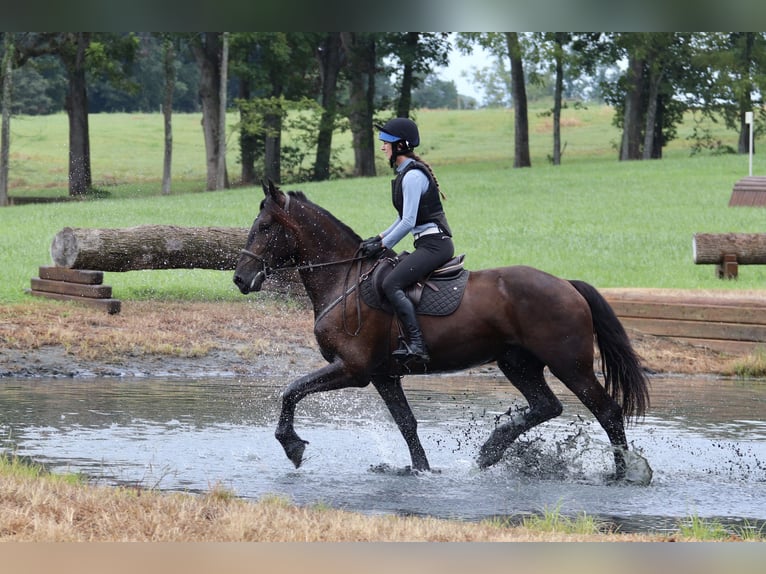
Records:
x=371, y=247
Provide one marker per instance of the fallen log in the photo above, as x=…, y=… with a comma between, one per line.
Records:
x=148, y=247
x=747, y=248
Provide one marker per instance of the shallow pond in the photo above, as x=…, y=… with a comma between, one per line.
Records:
x=705, y=440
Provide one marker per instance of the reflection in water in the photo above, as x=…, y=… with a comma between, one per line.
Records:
x=705, y=440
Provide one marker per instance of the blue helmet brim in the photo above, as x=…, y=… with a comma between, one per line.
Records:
x=386, y=137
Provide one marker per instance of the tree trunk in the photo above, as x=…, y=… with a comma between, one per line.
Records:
x=248, y=142
x=361, y=50
x=749, y=248
x=148, y=247
x=650, y=124
x=272, y=122
x=207, y=52
x=167, y=113
x=558, y=96
x=5, y=140
x=521, y=157
x=405, y=95
x=220, y=170
x=80, y=178
x=745, y=100
x=330, y=58
x=631, y=127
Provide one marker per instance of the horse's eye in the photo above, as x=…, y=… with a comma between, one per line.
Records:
x=263, y=227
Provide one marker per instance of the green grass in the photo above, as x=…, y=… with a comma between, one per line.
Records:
x=24, y=467
x=711, y=530
x=551, y=520
x=611, y=223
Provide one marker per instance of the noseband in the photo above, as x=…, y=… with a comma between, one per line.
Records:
x=266, y=270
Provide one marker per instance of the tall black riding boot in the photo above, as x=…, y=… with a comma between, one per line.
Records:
x=415, y=349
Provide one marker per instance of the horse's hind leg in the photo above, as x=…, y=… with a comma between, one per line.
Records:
x=390, y=389
x=526, y=373
x=607, y=411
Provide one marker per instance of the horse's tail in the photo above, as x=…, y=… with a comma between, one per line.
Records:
x=624, y=376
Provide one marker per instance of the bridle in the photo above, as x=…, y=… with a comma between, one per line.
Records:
x=267, y=270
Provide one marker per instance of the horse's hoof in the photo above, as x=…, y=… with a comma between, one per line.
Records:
x=294, y=451
x=488, y=456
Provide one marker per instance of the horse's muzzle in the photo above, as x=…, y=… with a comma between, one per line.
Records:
x=254, y=284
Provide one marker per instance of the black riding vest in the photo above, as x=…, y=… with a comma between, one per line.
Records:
x=430, y=209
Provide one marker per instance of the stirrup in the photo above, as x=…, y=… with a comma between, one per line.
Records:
x=405, y=353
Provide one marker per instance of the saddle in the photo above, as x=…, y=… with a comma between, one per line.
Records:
x=437, y=294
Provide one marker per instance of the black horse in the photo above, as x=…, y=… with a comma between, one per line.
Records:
x=522, y=318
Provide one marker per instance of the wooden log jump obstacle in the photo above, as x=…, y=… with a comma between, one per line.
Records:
x=83, y=286
x=728, y=251
x=148, y=247
x=730, y=323
x=82, y=255
x=749, y=191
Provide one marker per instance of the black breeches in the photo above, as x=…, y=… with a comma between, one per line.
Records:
x=431, y=251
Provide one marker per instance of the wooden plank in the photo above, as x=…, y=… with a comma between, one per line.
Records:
x=86, y=277
x=747, y=198
x=74, y=289
x=697, y=329
x=689, y=312
x=111, y=306
x=725, y=299
x=724, y=346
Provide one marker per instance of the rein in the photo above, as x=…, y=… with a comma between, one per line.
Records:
x=270, y=270
x=267, y=270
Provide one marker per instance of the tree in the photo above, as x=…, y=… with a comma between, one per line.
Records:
x=79, y=52
x=361, y=67
x=508, y=45
x=274, y=69
x=208, y=51
x=331, y=57
x=168, y=61
x=220, y=180
x=521, y=156
x=417, y=54
x=6, y=70
x=435, y=93
x=658, y=64
x=735, y=79
x=552, y=46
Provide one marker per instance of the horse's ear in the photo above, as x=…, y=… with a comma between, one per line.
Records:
x=272, y=191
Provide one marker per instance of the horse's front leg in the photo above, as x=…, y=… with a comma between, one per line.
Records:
x=328, y=378
x=390, y=389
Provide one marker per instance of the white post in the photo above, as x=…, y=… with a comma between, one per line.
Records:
x=749, y=122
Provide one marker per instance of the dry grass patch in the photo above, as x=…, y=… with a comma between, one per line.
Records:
x=154, y=328
x=252, y=328
x=44, y=510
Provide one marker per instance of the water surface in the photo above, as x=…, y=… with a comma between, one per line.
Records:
x=705, y=440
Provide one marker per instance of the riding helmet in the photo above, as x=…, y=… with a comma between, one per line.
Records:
x=400, y=129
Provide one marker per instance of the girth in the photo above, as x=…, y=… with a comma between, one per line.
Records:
x=439, y=293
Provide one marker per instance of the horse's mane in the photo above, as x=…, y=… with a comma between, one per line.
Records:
x=301, y=197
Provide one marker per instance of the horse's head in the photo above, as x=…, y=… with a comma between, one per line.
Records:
x=270, y=243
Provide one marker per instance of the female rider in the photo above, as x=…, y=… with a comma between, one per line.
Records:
x=415, y=194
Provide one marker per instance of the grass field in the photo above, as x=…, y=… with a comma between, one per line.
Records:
x=611, y=223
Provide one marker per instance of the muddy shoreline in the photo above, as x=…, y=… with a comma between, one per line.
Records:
x=265, y=336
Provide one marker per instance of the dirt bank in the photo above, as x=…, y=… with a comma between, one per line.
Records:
x=263, y=335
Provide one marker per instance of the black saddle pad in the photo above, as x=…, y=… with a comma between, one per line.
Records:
x=436, y=296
